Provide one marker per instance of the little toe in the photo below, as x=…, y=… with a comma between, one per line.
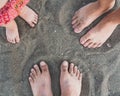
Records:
x=17, y=40
x=95, y=45
x=32, y=24
x=64, y=67
x=80, y=77
x=32, y=76
x=44, y=67
x=75, y=70
x=71, y=68
x=37, y=69
x=78, y=73
x=99, y=45
x=35, y=21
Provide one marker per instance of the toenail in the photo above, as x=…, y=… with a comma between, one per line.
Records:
x=35, y=66
x=32, y=70
x=65, y=63
x=42, y=63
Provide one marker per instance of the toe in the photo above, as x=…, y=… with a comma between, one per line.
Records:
x=31, y=80
x=75, y=25
x=79, y=28
x=33, y=73
x=91, y=45
x=87, y=43
x=17, y=39
x=32, y=76
x=37, y=69
x=75, y=70
x=84, y=39
x=95, y=45
x=43, y=66
x=13, y=41
x=80, y=77
x=99, y=45
x=9, y=40
x=35, y=21
x=74, y=17
x=74, y=21
x=64, y=66
x=71, y=68
x=78, y=73
x=32, y=24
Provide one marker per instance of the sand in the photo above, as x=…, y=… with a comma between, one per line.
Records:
x=53, y=40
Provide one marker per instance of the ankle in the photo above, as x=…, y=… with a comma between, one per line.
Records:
x=105, y=5
x=114, y=17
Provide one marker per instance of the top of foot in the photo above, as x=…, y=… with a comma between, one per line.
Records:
x=40, y=81
x=29, y=16
x=70, y=80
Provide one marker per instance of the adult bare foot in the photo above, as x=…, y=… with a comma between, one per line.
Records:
x=12, y=32
x=70, y=81
x=86, y=15
x=100, y=33
x=29, y=16
x=40, y=81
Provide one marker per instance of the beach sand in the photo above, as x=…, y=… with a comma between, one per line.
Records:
x=53, y=40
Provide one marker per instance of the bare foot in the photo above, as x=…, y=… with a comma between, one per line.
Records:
x=99, y=34
x=40, y=81
x=29, y=16
x=12, y=32
x=86, y=15
x=71, y=80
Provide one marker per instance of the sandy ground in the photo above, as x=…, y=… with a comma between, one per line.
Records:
x=53, y=40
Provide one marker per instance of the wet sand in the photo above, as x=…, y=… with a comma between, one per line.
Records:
x=53, y=40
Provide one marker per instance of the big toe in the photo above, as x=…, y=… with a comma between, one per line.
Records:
x=84, y=39
x=79, y=28
x=44, y=67
x=64, y=67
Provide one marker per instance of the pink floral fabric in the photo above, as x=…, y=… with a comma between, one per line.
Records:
x=11, y=10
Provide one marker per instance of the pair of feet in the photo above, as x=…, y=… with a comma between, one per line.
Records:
x=29, y=16
x=102, y=31
x=70, y=80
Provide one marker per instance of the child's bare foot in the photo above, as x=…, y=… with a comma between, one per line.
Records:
x=40, y=81
x=86, y=15
x=70, y=80
x=99, y=34
x=29, y=16
x=12, y=32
